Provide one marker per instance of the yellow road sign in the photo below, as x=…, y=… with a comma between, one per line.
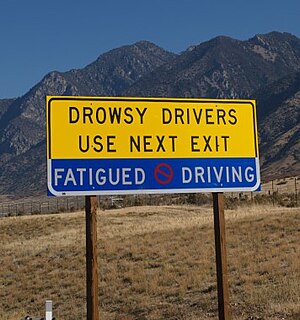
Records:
x=87, y=128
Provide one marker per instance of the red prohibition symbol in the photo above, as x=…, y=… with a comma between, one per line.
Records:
x=163, y=173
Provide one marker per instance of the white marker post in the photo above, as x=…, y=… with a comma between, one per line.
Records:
x=48, y=309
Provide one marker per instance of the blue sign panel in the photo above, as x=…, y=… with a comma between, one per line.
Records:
x=173, y=175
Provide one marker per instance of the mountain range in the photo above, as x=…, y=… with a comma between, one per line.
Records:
x=265, y=68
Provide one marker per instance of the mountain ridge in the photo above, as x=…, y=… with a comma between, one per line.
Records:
x=266, y=67
x=227, y=59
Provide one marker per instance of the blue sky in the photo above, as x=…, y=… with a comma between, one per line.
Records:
x=39, y=36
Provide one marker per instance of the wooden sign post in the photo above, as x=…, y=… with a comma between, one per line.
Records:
x=221, y=259
x=91, y=258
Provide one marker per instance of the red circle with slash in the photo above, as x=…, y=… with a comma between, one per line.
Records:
x=163, y=173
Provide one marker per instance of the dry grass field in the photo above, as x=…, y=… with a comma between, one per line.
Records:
x=154, y=263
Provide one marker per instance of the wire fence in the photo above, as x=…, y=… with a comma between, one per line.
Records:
x=51, y=205
x=281, y=191
x=282, y=186
x=42, y=206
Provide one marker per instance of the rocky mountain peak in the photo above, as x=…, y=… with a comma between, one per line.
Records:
x=281, y=48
